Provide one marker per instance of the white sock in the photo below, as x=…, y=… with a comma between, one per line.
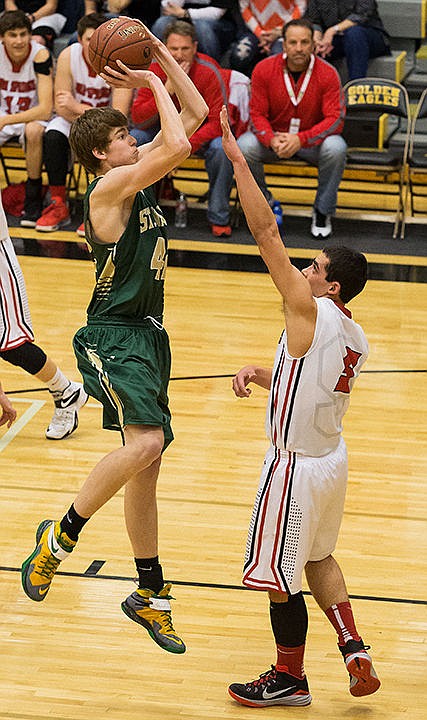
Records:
x=58, y=383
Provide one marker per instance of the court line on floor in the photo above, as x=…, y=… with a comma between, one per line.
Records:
x=22, y=420
x=90, y=574
x=230, y=375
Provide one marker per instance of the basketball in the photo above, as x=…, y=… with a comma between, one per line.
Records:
x=120, y=38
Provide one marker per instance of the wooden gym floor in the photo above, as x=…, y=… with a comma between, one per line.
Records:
x=76, y=656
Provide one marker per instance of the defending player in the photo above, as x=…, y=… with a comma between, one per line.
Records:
x=299, y=505
x=17, y=346
x=123, y=352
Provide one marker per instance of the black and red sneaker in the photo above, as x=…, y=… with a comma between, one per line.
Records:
x=272, y=688
x=363, y=678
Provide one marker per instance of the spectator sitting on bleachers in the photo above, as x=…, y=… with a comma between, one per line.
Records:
x=350, y=28
x=146, y=10
x=214, y=22
x=208, y=77
x=73, y=10
x=297, y=110
x=260, y=32
x=46, y=23
x=77, y=88
x=26, y=100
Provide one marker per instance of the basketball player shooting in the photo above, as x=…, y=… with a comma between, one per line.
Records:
x=123, y=352
x=299, y=505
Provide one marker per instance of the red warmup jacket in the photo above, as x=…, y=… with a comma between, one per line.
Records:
x=211, y=82
x=321, y=110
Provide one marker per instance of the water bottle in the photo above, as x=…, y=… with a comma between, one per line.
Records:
x=278, y=213
x=181, y=211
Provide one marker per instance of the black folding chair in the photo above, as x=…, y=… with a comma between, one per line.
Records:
x=368, y=95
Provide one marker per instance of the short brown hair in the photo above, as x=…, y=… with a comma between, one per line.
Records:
x=298, y=22
x=92, y=20
x=92, y=130
x=14, y=20
x=349, y=268
x=180, y=27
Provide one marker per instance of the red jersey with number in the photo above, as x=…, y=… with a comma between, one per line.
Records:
x=310, y=395
x=18, y=83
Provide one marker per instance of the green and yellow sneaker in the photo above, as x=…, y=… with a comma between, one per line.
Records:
x=38, y=569
x=154, y=613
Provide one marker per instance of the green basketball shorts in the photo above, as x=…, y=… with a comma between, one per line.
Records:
x=127, y=369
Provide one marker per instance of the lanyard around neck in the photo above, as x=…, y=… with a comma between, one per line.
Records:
x=296, y=100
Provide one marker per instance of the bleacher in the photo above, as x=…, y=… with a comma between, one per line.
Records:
x=362, y=193
x=367, y=193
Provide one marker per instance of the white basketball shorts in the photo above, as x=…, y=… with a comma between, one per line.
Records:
x=296, y=517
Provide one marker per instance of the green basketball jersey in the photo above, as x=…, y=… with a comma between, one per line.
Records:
x=130, y=273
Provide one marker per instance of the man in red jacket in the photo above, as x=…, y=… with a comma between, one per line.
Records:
x=297, y=110
x=206, y=74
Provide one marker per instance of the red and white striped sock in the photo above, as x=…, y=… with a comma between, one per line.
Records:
x=341, y=617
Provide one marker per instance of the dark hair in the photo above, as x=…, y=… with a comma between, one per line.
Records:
x=298, y=22
x=180, y=27
x=92, y=20
x=92, y=130
x=349, y=268
x=14, y=20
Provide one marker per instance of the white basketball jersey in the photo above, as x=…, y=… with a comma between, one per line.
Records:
x=15, y=320
x=18, y=83
x=88, y=87
x=310, y=395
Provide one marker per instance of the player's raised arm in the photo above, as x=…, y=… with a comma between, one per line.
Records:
x=291, y=283
x=157, y=158
x=193, y=107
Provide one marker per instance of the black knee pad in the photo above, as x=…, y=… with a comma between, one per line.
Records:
x=28, y=356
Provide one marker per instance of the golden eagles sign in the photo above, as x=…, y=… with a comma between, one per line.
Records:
x=373, y=95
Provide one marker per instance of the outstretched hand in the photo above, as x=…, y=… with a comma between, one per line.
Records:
x=8, y=412
x=229, y=142
x=241, y=381
x=126, y=78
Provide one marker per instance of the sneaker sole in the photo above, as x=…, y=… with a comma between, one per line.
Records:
x=132, y=615
x=52, y=228
x=28, y=223
x=319, y=236
x=25, y=565
x=67, y=434
x=76, y=422
x=362, y=672
x=295, y=700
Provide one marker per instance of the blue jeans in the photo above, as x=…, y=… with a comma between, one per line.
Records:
x=329, y=157
x=218, y=168
x=358, y=44
x=213, y=36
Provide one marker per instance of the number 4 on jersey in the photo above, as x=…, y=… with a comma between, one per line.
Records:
x=159, y=258
x=350, y=362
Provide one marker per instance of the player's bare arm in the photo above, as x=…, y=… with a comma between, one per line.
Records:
x=193, y=107
x=66, y=104
x=129, y=169
x=300, y=307
x=251, y=374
